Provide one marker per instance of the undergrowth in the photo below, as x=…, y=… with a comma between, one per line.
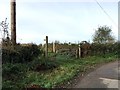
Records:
x=47, y=73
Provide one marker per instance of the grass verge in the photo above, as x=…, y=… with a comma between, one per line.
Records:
x=65, y=69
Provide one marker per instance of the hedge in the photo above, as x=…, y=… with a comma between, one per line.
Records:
x=20, y=53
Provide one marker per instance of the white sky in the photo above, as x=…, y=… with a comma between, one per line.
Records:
x=62, y=20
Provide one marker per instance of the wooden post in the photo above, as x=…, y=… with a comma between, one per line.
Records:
x=46, y=47
x=13, y=21
x=79, y=51
x=53, y=47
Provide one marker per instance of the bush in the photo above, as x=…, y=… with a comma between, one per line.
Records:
x=13, y=75
x=102, y=49
x=41, y=64
x=13, y=71
x=20, y=53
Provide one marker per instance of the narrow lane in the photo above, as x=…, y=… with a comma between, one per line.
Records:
x=104, y=77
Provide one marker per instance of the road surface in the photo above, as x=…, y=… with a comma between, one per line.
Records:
x=104, y=77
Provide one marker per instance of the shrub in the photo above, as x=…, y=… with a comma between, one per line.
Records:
x=102, y=49
x=20, y=53
x=13, y=71
x=41, y=64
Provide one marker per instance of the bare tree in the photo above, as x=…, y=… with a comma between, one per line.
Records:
x=4, y=29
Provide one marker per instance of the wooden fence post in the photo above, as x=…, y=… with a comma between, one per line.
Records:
x=46, y=47
x=79, y=51
x=54, y=47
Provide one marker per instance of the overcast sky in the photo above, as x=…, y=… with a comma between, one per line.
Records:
x=62, y=20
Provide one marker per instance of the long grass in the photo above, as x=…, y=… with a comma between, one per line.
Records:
x=65, y=70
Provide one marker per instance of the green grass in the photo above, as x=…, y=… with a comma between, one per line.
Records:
x=66, y=69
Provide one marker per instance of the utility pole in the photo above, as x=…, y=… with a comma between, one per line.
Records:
x=13, y=21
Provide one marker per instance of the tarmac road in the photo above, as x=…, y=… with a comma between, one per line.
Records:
x=107, y=76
